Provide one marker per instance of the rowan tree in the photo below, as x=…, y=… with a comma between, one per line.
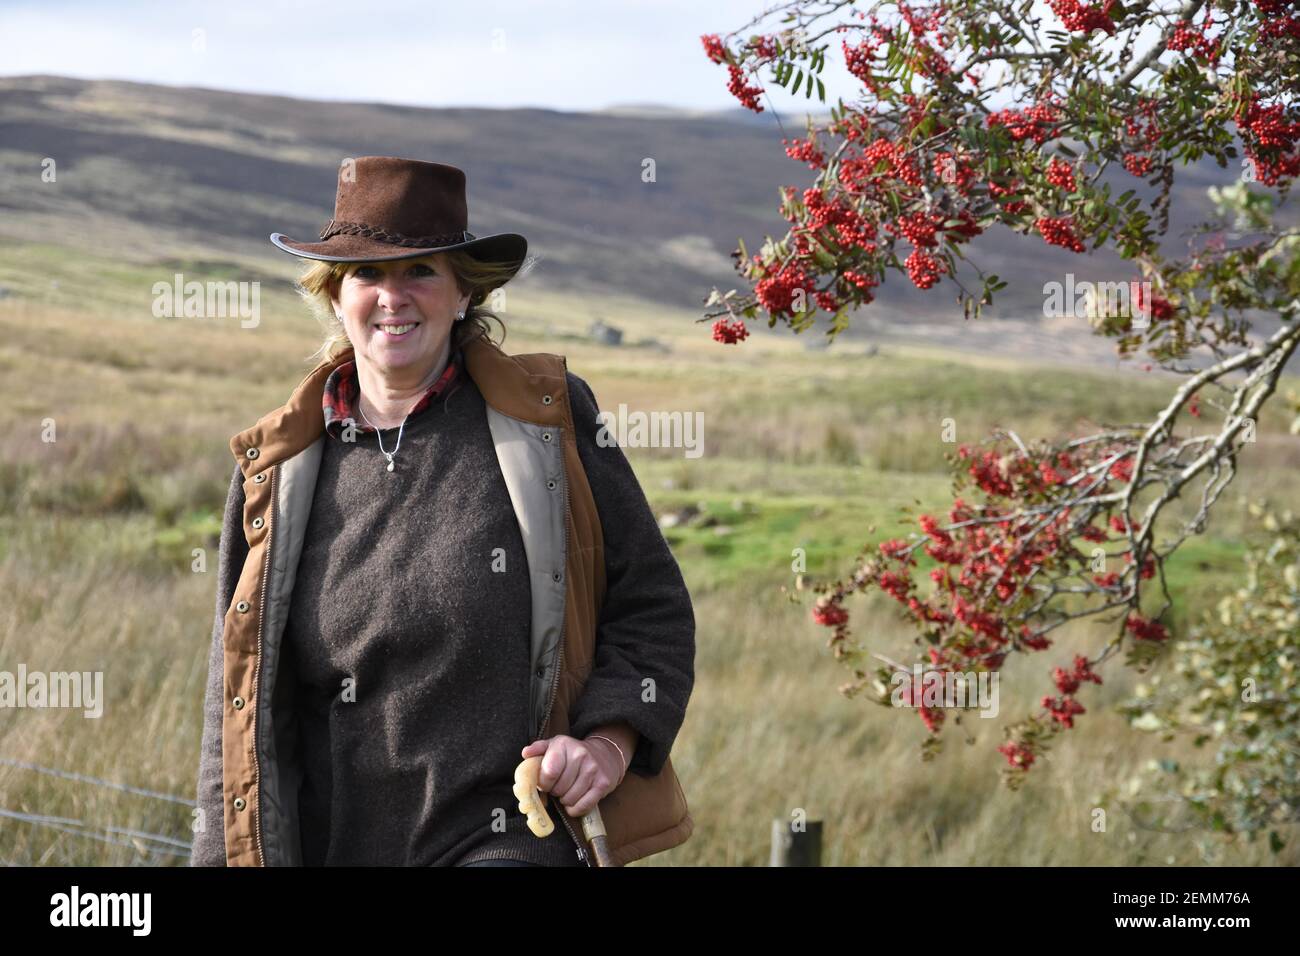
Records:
x=970, y=117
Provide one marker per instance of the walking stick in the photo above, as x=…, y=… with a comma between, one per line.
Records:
x=539, y=821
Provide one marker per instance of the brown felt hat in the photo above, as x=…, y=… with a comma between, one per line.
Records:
x=389, y=208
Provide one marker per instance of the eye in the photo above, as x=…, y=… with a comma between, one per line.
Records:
x=371, y=272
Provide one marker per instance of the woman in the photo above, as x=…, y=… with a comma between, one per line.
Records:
x=431, y=569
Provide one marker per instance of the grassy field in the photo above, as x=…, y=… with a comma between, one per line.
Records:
x=803, y=449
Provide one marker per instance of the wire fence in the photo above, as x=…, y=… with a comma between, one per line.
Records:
x=139, y=840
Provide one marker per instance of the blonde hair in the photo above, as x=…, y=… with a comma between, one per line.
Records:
x=479, y=279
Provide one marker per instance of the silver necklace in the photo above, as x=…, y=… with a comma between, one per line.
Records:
x=387, y=454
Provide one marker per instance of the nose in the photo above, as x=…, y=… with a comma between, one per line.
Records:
x=392, y=293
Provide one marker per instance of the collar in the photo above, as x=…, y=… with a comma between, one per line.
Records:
x=530, y=388
x=340, y=400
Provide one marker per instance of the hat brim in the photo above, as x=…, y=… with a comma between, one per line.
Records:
x=505, y=247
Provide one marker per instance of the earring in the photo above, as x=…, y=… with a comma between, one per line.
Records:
x=459, y=316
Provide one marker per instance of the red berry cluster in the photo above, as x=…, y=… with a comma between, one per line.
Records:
x=1142, y=128
x=1036, y=122
x=901, y=166
x=1060, y=175
x=1281, y=29
x=829, y=614
x=1141, y=125
x=918, y=228
x=858, y=60
x=983, y=559
x=1279, y=24
x=1268, y=131
x=777, y=293
x=764, y=47
x=1059, y=232
x=728, y=332
x=748, y=95
x=920, y=108
x=805, y=150
x=1122, y=470
x=1148, y=565
x=1093, y=533
x=968, y=229
x=919, y=25
x=714, y=48
x=1012, y=206
x=1075, y=16
x=1269, y=126
x=1161, y=308
x=1145, y=629
x=1018, y=755
x=1063, y=709
x=1183, y=36
x=924, y=269
x=953, y=172
x=852, y=231
x=863, y=282
x=929, y=62
x=1137, y=164
x=1202, y=47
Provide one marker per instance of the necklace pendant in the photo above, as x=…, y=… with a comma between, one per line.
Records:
x=390, y=466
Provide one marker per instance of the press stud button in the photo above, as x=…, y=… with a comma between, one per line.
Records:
x=241, y=607
x=258, y=522
x=238, y=702
x=252, y=453
x=240, y=803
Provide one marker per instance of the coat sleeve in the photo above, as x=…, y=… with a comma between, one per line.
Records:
x=209, y=847
x=647, y=623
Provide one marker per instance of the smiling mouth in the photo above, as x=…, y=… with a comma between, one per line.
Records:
x=397, y=331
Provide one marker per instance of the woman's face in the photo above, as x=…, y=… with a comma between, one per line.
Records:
x=379, y=299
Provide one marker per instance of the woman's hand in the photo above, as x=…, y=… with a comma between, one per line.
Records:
x=579, y=772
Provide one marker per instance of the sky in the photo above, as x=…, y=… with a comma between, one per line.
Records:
x=555, y=54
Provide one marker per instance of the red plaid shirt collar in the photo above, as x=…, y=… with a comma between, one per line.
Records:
x=341, y=392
